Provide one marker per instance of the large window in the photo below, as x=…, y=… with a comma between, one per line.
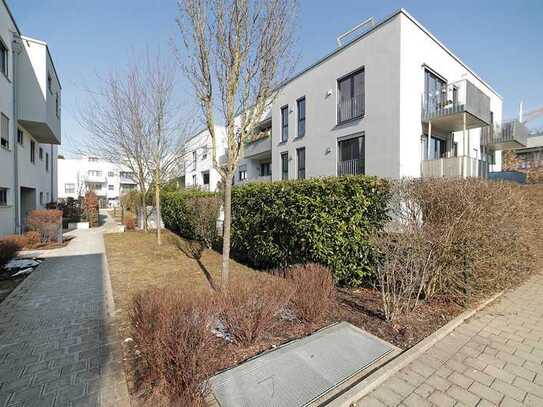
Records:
x=4, y=131
x=435, y=91
x=300, y=155
x=95, y=173
x=351, y=156
x=242, y=172
x=3, y=58
x=301, y=117
x=351, y=98
x=284, y=123
x=284, y=165
x=438, y=148
x=265, y=169
x=110, y=187
x=194, y=160
x=205, y=177
x=20, y=137
x=3, y=196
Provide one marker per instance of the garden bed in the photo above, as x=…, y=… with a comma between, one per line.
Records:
x=137, y=263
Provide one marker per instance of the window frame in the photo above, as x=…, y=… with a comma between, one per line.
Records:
x=4, y=196
x=300, y=170
x=40, y=153
x=4, y=56
x=21, y=139
x=32, y=151
x=350, y=77
x=4, y=137
x=284, y=165
x=70, y=190
x=301, y=119
x=46, y=161
x=266, y=165
x=361, y=139
x=284, y=124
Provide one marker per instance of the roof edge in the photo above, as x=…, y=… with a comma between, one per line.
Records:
x=11, y=16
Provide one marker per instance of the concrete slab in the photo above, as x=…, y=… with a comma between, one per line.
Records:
x=302, y=371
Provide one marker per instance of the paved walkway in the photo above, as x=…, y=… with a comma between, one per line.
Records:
x=57, y=345
x=494, y=359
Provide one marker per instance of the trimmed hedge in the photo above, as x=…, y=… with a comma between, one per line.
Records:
x=322, y=220
x=177, y=215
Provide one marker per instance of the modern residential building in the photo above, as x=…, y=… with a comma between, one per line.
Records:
x=108, y=180
x=30, y=117
x=393, y=102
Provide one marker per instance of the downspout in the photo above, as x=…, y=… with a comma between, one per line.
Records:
x=51, y=168
x=16, y=50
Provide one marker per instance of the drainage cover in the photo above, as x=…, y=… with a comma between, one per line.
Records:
x=301, y=371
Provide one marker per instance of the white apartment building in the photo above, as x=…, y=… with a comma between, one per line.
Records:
x=108, y=180
x=30, y=116
x=393, y=102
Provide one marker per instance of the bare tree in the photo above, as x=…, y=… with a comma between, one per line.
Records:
x=235, y=53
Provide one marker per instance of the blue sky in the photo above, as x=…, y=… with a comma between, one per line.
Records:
x=500, y=40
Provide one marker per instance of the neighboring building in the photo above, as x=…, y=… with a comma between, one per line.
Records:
x=525, y=164
x=109, y=181
x=30, y=116
x=197, y=163
x=393, y=102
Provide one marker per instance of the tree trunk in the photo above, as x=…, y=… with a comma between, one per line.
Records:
x=157, y=206
x=144, y=211
x=226, y=231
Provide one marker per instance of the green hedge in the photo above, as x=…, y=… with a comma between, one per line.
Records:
x=323, y=220
x=177, y=215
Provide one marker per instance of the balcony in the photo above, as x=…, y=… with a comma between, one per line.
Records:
x=455, y=167
x=260, y=146
x=350, y=167
x=95, y=179
x=457, y=101
x=510, y=136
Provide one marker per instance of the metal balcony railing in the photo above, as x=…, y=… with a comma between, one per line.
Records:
x=350, y=167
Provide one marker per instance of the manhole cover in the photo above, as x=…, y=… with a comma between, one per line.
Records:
x=301, y=371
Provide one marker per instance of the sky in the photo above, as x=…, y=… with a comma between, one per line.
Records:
x=500, y=40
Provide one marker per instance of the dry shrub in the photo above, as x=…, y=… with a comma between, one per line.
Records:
x=48, y=223
x=455, y=238
x=9, y=247
x=129, y=222
x=172, y=332
x=33, y=239
x=314, y=291
x=249, y=307
x=91, y=209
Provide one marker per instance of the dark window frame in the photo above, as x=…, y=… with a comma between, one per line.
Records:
x=284, y=165
x=300, y=162
x=32, y=151
x=3, y=196
x=20, y=137
x=354, y=112
x=4, y=137
x=265, y=169
x=284, y=123
x=4, y=58
x=301, y=120
x=46, y=161
x=353, y=155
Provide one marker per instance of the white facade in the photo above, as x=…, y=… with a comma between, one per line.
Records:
x=369, y=107
x=197, y=163
x=108, y=180
x=30, y=113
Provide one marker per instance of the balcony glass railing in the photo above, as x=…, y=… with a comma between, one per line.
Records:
x=350, y=167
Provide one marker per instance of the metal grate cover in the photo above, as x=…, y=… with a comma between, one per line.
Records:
x=300, y=371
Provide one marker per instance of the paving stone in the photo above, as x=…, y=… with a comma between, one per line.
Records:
x=441, y=399
x=463, y=396
x=533, y=401
x=486, y=392
x=460, y=380
x=424, y=390
x=414, y=400
x=499, y=374
x=509, y=390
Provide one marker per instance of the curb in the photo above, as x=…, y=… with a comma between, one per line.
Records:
x=368, y=384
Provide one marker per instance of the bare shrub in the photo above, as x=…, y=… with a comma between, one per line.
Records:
x=48, y=223
x=172, y=332
x=90, y=209
x=314, y=291
x=9, y=247
x=129, y=222
x=202, y=214
x=250, y=306
x=455, y=238
x=33, y=239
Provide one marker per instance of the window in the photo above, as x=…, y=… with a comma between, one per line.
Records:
x=41, y=198
x=3, y=196
x=40, y=153
x=204, y=152
x=20, y=137
x=49, y=82
x=438, y=148
x=435, y=91
x=206, y=178
x=95, y=187
x=69, y=188
x=242, y=172
x=3, y=58
x=301, y=117
x=94, y=173
x=47, y=197
x=284, y=123
x=351, y=98
x=284, y=165
x=57, y=106
x=32, y=151
x=110, y=174
x=93, y=159
x=300, y=155
x=265, y=169
x=194, y=180
x=351, y=156
x=110, y=187
x=46, y=161
x=194, y=160
x=4, y=131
